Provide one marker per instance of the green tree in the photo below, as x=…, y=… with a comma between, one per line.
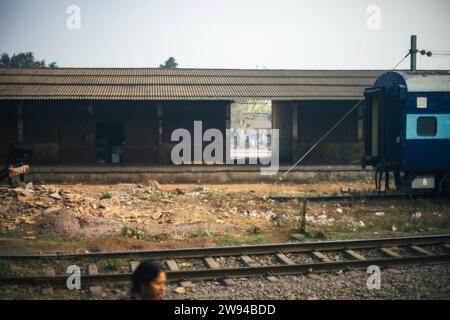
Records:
x=241, y=111
x=23, y=60
x=170, y=63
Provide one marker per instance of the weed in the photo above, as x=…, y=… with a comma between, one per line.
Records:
x=132, y=233
x=105, y=195
x=196, y=234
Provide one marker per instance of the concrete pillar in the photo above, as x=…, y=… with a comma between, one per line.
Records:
x=294, y=123
x=20, y=123
x=282, y=119
x=159, y=115
x=227, y=149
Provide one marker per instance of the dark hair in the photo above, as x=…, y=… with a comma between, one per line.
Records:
x=145, y=273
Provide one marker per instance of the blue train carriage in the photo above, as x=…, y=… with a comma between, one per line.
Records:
x=407, y=130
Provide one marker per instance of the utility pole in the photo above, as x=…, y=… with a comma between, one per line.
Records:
x=413, y=52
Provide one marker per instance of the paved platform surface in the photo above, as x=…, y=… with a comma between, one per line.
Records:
x=193, y=173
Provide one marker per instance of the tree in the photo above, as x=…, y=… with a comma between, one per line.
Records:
x=170, y=63
x=23, y=60
x=241, y=111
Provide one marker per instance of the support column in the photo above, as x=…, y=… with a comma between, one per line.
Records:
x=294, y=140
x=294, y=123
x=227, y=149
x=282, y=120
x=20, y=123
x=159, y=115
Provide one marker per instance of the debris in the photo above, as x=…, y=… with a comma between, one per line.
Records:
x=254, y=214
x=27, y=193
x=321, y=235
x=270, y=215
x=50, y=272
x=298, y=236
x=179, y=191
x=229, y=282
x=361, y=224
x=314, y=276
x=379, y=213
x=154, y=185
x=417, y=215
x=339, y=210
x=187, y=284
x=156, y=215
x=272, y=279
x=180, y=290
x=55, y=195
x=394, y=227
x=51, y=210
x=95, y=291
x=47, y=291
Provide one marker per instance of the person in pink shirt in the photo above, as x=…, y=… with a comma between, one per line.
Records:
x=148, y=282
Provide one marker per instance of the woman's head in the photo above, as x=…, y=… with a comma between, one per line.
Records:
x=148, y=280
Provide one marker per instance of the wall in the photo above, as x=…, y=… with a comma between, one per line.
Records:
x=64, y=131
x=343, y=146
x=283, y=121
x=8, y=130
x=182, y=114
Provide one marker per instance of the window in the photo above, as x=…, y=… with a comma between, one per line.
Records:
x=426, y=126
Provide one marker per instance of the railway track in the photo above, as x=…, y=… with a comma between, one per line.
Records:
x=247, y=261
x=355, y=197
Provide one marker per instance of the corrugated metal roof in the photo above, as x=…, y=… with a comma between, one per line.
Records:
x=418, y=81
x=182, y=84
x=427, y=82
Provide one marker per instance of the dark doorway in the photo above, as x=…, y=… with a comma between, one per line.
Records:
x=109, y=142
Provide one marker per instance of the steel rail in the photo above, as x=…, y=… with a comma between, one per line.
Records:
x=248, y=249
x=222, y=273
x=367, y=197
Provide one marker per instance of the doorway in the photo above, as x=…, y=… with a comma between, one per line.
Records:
x=109, y=141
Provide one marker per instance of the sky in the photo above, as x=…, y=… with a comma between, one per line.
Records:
x=276, y=34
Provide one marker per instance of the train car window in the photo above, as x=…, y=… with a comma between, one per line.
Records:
x=426, y=126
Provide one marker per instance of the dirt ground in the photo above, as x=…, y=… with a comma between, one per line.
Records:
x=86, y=218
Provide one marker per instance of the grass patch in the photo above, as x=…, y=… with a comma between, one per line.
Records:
x=254, y=230
x=105, y=195
x=132, y=233
x=197, y=234
x=114, y=264
x=156, y=196
x=230, y=239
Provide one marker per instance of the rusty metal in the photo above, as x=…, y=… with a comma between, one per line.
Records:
x=223, y=273
x=16, y=171
x=248, y=249
x=354, y=197
x=183, y=84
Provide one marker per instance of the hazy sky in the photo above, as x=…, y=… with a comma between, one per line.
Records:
x=285, y=34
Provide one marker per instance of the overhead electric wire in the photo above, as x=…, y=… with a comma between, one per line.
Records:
x=331, y=129
x=409, y=52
